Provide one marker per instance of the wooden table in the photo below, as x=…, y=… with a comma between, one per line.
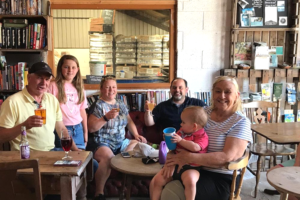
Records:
x=65, y=181
x=286, y=180
x=279, y=133
x=132, y=167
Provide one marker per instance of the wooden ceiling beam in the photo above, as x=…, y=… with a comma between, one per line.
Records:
x=153, y=22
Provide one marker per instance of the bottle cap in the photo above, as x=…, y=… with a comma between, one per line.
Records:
x=23, y=130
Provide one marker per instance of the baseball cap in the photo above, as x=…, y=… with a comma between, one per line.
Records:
x=39, y=68
x=142, y=150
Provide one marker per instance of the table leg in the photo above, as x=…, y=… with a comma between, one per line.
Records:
x=128, y=186
x=284, y=196
x=67, y=188
x=123, y=187
x=81, y=194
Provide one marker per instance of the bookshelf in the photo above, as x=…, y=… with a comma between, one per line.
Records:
x=285, y=35
x=24, y=52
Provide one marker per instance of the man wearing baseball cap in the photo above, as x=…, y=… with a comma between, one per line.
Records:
x=18, y=110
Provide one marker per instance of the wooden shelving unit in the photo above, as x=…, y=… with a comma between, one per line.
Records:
x=286, y=37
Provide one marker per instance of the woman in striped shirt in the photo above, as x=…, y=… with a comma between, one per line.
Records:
x=229, y=134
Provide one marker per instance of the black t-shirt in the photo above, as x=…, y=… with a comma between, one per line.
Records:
x=167, y=113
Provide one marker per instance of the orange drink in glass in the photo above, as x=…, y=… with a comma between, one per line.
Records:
x=41, y=112
x=151, y=106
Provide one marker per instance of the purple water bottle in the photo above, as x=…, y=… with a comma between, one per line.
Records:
x=163, y=150
x=24, y=145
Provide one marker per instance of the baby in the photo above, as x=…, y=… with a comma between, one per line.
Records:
x=193, y=138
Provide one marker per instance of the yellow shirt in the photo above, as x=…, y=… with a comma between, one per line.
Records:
x=18, y=107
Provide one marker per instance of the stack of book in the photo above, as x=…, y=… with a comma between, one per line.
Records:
x=17, y=34
x=13, y=77
x=21, y=7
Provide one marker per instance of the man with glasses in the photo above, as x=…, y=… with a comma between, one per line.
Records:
x=167, y=113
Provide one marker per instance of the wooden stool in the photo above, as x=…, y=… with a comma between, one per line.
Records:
x=286, y=180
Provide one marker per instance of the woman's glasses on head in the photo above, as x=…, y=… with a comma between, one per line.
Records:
x=109, y=76
x=228, y=76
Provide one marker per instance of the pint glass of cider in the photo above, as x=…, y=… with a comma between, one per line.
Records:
x=41, y=112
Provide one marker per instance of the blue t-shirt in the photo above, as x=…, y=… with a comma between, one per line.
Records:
x=167, y=113
x=113, y=132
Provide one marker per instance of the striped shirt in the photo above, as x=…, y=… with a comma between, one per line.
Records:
x=113, y=132
x=237, y=125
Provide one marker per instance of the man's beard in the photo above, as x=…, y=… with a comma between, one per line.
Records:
x=177, y=98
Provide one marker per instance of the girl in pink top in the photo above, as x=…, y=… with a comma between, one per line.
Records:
x=68, y=89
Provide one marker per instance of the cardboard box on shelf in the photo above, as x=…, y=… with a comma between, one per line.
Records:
x=105, y=28
x=148, y=70
x=96, y=27
x=97, y=20
x=100, y=37
x=126, y=68
x=149, y=38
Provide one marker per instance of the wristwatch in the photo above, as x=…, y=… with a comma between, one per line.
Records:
x=104, y=117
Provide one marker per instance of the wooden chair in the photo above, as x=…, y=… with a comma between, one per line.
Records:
x=260, y=146
x=5, y=146
x=14, y=189
x=238, y=165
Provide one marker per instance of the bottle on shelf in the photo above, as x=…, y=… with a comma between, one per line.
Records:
x=24, y=145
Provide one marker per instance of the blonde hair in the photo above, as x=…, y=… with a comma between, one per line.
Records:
x=76, y=82
x=196, y=115
x=237, y=106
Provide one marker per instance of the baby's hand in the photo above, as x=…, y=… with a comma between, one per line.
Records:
x=176, y=138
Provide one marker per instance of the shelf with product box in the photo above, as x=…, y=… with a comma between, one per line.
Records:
x=258, y=24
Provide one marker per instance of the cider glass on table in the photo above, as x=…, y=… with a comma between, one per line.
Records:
x=42, y=113
x=66, y=143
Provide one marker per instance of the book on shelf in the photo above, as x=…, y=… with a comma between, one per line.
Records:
x=8, y=37
x=32, y=36
x=13, y=38
x=0, y=35
x=37, y=43
x=21, y=7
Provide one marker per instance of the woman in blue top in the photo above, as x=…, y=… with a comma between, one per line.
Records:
x=229, y=134
x=107, y=124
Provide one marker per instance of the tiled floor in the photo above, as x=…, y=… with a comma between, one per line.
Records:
x=248, y=188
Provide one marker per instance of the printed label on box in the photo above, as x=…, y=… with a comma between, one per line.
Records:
x=149, y=71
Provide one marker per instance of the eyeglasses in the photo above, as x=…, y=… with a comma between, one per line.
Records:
x=228, y=76
x=109, y=76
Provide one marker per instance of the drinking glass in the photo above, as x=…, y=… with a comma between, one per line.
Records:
x=116, y=107
x=41, y=112
x=66, y=143
x=151, y=106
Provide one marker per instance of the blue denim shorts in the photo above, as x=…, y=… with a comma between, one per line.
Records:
x=94, y=146
x=76, y=132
